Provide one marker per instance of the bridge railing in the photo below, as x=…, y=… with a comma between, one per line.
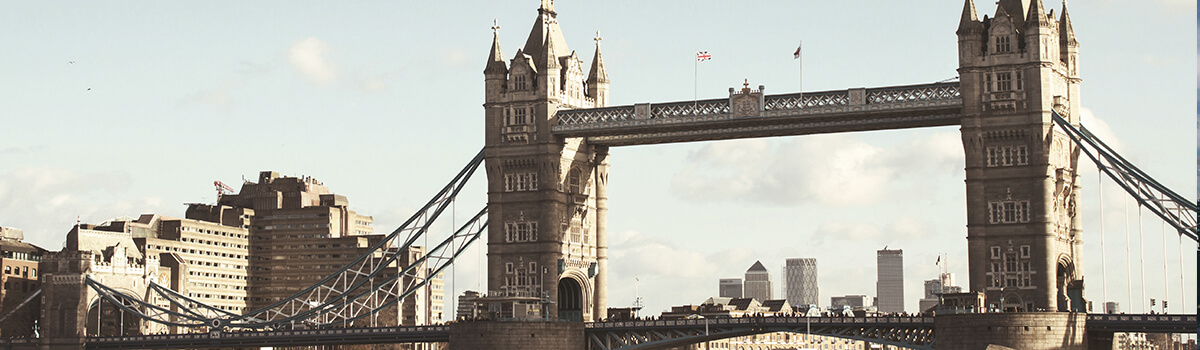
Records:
x=771, y=103
x=272, y=334
x=721, y=321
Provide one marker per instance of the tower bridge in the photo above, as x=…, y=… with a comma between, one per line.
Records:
x=548, y=131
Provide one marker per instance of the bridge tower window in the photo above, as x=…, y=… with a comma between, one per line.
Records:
x=1002, y=44
x=519, y=83
x=1008, y=212
x=1003, y=81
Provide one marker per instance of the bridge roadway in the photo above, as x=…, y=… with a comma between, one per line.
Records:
x=910, y=332
x=751, y=113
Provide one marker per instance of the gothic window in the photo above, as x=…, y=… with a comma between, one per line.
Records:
x=522, y=231
x=1025, y=266
x=1010, y=262
x=519, y=116
x=995, y=252
x=533, y=267
x=520, y=182
x=574, y=181
x=1025, y=281
x=1003, y=81
x=1020, y=82
x=1024, y=251
x=1007, y=156
x=519, y=82
x=1008, y=212
x=987, y=86
x=576, y=229
x=508, y=268
x=1002, y=44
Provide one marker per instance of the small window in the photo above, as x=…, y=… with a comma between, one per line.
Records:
x=995, y=252
x=508, y=268
x=1024, y=251
x=1003, y=81
x=1002, y=44
x=519, y=83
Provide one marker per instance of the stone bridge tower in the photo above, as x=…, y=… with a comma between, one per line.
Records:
x=546, y=195
x=1023, y=222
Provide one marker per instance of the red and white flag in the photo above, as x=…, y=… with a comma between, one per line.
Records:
x=702, y=56
x=797, y=54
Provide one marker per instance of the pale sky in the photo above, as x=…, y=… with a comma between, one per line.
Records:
x=124, y=108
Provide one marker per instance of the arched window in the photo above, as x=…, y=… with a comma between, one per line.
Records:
x=575, y=181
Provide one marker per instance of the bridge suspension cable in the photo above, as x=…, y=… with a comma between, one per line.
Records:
x=1172, y=208
x=373, y=281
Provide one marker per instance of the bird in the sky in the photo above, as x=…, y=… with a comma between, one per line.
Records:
x=89, y=89
x=70, y=62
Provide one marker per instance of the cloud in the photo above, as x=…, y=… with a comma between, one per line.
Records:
x=45, y=202
x=308, y=56
x=18, y=150
x=217, y=97
x=455, y=58
x=838, y=170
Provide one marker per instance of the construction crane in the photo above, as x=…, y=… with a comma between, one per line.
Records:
x=222, y=188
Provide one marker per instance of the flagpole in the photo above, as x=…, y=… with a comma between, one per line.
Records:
x=695, y=78
x=800, y=58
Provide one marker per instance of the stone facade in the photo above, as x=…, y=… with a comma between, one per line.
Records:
x=546, y=195
x=517, y=335
x=1025, y=331
x=1023, y=225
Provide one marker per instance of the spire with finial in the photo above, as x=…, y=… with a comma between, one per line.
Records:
x=598, y=74
x=547, y=5
x=495, y=63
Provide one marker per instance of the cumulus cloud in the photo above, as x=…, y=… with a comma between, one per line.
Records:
x=838, y=170
x=45, y=202
x=308, y=56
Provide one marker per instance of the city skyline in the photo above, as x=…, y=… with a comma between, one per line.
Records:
x=126, y=109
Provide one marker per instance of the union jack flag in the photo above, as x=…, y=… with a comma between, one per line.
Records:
x=702, y=56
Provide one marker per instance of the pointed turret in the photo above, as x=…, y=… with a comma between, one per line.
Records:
x=1017, y=9
x=1065, y=31
x=598, y=74
x=1037, y=15
x=969, y=24
x=545, y=28
x=597, y=80
x=495, y=63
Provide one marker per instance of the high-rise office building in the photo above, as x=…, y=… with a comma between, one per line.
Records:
x=731, y=288
x=889, y=287
x=758, y=283
x=800, y=281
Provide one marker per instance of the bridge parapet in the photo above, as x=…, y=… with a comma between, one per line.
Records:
x=794, y=102
x=761, y=115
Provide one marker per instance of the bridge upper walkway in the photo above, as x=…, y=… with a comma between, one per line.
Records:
x=751, y=113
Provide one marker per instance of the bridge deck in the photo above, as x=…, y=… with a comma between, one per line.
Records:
x=896, y=107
